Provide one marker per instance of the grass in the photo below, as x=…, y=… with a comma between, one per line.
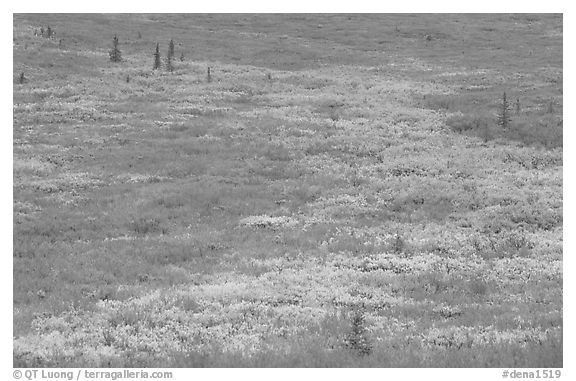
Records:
x=339, y=194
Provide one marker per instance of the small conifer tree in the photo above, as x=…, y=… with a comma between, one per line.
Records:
x=357, y=339
x=157, y=62
x=169, y=66
x=504, y=113
x=171, y=48
x=115, y=54
x=398, y=245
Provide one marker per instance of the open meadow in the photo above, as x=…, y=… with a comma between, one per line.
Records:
x=337, y=192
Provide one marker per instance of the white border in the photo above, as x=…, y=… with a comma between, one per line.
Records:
x=298, y=6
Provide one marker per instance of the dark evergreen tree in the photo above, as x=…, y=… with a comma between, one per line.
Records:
x=358, y=339
x=504, y=113
x=171, y=49
x=169, y=66
x=115, y=54
x=157, y=62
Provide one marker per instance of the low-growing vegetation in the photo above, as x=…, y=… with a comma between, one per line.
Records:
x=294, y=193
